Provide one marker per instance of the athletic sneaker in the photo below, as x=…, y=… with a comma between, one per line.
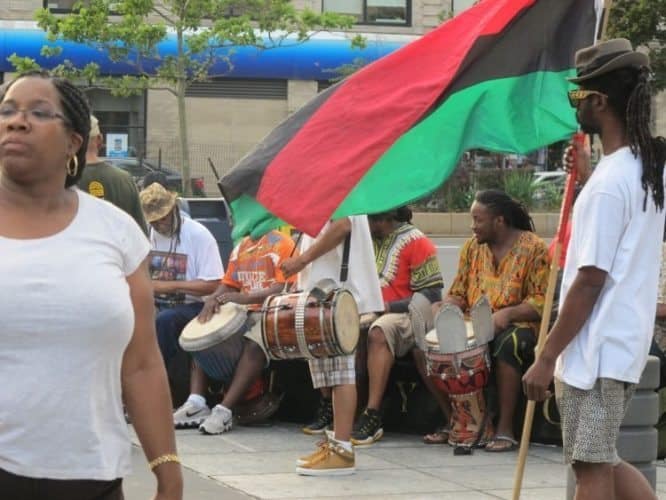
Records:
x=369, y=428
x=323, y=418
x=332, y=460
x=189, y=415
x=218, y=422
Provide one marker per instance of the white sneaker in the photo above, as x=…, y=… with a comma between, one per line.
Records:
x=189, y=415
x=218, y=422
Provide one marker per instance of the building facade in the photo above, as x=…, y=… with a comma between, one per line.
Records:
x=229, y=115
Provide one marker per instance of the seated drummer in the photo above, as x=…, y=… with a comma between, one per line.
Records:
x=509, y=264
x=406, y=262
x=185, y=265
x=253, y=274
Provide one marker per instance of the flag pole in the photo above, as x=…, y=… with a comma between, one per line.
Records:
x=565, y=210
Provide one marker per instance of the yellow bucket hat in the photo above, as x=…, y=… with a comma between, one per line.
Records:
x=156, y=201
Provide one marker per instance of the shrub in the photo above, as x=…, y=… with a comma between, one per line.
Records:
x=519, y=185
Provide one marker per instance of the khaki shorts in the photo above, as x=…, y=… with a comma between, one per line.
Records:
x=398, y=331
x=254, y=332
x=591, y=419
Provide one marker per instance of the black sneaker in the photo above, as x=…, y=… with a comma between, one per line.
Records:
x=369, y=428
x=323, y=418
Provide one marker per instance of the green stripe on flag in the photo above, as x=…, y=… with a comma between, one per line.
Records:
x=512, y=115
x=251, y=218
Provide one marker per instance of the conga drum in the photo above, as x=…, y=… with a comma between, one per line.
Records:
x=303, y=326
x=463, y=376
x=217, y=344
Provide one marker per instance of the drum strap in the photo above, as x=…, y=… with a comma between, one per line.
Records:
x=344, y=268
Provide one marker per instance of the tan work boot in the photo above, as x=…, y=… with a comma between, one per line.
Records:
x=332, y=460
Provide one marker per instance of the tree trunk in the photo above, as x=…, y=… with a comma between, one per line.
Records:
x=181, y=86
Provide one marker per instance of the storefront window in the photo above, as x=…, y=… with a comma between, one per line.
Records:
x=387, y=12
x=59, y=5
x=122, y=120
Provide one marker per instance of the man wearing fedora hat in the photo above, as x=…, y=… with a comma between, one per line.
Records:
x=185, y=265
x=598, y=346
x=108, y=182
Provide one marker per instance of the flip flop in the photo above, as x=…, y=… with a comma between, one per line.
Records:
x=440, y=436
x=513, y=444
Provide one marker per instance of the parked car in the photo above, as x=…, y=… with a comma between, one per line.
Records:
x=545, y=180
x=215, y=214
x=138, y=168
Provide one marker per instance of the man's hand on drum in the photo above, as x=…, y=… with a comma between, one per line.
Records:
x=537, y=379
x=213, y=302
x=501, y=320
x=236, y=297
x=211, y=306
x=292, y=265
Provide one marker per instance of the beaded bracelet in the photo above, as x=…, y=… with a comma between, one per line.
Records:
x=162, y=459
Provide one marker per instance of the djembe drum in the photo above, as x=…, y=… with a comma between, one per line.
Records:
x=458, y=362
x=217, y=344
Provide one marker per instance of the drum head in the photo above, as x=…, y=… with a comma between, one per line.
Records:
x=228, y=320
x=469, y=328
x=346, y=320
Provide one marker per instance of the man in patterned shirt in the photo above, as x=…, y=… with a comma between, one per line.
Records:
x=406, y=263
x=509, y=264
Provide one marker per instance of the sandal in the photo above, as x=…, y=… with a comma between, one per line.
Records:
x=440, y=436
x=492, y=446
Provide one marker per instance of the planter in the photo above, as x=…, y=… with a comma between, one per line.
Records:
x=457, y=224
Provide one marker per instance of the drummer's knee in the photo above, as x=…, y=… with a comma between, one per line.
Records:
x=376, y=337
x=255, y=352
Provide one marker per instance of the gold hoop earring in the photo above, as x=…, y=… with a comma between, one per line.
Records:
x=73, y=170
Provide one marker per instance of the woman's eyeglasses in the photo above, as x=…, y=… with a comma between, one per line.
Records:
x=578, y=95
x=33, y=115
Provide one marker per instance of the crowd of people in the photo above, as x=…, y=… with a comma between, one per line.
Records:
x=98, y=302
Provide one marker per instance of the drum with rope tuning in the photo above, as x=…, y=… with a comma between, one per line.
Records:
x=310, y=324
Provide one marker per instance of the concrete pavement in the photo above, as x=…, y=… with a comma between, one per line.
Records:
x=259, y=462
x=140, y=485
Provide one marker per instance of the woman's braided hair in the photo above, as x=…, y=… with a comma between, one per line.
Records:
x=75, y=107
x=630, y=97
x=499, y=203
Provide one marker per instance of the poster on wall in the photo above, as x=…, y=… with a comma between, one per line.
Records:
x=116, y=145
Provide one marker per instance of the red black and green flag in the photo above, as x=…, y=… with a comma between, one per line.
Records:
x=494, y=77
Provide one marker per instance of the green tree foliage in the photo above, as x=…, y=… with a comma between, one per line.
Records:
x=644, y=23
x=206, y=33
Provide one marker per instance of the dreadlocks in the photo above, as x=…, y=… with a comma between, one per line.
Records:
x=499, y=203
x=630, y=97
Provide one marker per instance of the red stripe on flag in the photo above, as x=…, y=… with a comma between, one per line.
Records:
x=368, y=113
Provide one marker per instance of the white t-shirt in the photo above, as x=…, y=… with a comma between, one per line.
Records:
x=197, y=246
x=66, y=319
x=362, y=280
x=612, y=232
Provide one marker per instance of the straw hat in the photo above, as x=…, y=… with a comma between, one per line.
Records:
x=156, y=201
x=605, y=57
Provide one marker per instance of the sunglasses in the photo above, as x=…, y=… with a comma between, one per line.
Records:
x=576, y=96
